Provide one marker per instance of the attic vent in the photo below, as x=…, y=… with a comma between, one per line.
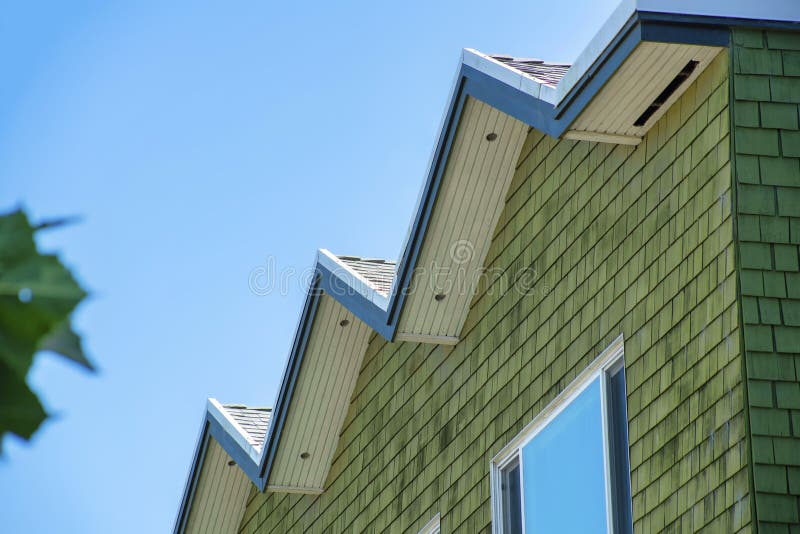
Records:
x=667, y=92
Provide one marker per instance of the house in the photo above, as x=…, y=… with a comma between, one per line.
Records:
x=595, y=322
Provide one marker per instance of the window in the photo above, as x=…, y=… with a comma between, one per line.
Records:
x=568, y=470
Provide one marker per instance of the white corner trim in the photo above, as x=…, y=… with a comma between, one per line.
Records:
x=351, y=278
x=597, y=137
x=432, y=526
x=234, y=429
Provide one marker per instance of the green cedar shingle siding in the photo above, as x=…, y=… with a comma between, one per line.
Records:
x=595, y=240
x=767, y=146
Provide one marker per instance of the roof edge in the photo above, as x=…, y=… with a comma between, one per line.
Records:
x=233, y=428
x=353, y=281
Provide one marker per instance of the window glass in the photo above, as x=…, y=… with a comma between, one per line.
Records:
x=620, y=465
x=512, y=498
x=563, y=470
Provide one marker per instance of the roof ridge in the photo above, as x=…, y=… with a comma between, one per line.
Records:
x=538, y=69
x=246, y=407
x=359, y=258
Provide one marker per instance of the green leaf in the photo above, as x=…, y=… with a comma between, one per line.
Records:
x=64, y=341
x=50, y=294
x=21, y=412
x=37, y=296
x=60, y=222
x=16, y=238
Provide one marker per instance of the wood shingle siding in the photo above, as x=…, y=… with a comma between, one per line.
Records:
x=767, y=146
x=594, y=240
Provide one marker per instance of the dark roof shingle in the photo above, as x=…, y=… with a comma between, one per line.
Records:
x=379, y=273
x=547, y=73
x=254, y=421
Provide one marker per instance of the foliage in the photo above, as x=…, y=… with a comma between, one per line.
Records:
x=37, y=296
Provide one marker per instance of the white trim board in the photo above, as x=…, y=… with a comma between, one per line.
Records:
x=352, y=278
x=433, y=526
x=233, y=429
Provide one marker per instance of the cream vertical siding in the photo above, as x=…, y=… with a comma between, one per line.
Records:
x=320, y=400
x=220, y=495
x=637, y=83
x=468, y=205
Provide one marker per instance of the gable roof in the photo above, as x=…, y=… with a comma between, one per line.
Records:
x=494, y=101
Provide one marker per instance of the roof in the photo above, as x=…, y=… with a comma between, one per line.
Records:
x=537, y=69
x=254, y=421
x=377, y=272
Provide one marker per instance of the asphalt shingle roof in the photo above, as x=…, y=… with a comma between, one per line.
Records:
x=379, y=273
x=254, y=421
x=546, y=73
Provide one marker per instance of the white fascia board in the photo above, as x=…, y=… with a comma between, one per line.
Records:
x=351, y=278
x=605, y=35
x=233, y=429
x=599, y=137
x=503, y=73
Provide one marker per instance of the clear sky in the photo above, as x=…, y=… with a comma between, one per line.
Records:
x=201, y=143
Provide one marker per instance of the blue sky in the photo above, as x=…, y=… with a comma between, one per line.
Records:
x=202, y=142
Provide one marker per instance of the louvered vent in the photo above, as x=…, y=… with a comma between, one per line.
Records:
x=668, y=91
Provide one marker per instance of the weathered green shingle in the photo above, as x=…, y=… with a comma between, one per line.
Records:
x=756, y=199
x=773, y=115
x=790, y=143
x=786, y=258
x=769, y=313
x=751, y=87
x=782, y=40
x=773, y=230
x=773, y=343
x=780, y=171
x=758, y=141
x=757, y=61
x=749, y=38
x=791, y=63
x=788, y=201
x=784, y=89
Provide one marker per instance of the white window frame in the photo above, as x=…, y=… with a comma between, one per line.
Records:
x=607, y=362
x=432, y=527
